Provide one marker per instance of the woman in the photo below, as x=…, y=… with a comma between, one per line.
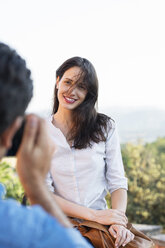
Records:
x=87, y=161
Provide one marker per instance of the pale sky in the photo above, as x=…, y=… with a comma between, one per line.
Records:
x=124, y=39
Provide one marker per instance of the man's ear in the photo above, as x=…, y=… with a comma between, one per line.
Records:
x=57, y=82
x=7, y=136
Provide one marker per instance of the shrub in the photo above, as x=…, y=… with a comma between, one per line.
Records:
x=9, y=178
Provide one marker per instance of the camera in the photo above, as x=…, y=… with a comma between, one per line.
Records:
x=16, y=141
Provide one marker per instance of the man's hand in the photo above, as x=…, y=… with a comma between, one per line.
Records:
x=33, y=163
x=123, y=235
x=35, y=153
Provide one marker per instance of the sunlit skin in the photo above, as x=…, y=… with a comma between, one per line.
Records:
x=70, y=92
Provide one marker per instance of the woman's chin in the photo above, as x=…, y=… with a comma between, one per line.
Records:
x=69, y=106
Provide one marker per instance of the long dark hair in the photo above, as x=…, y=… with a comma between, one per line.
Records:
x=89, y=126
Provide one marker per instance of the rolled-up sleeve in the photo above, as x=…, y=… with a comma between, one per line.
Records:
x=114, y=164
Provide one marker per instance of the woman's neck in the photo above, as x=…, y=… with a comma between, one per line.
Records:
x=63, y=117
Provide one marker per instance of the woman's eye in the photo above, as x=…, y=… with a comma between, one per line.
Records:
x=82, y=86
x=68, y=82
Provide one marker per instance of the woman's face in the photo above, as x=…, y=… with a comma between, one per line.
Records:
x=71, y=93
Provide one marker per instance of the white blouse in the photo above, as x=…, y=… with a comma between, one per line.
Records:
x=84, y=176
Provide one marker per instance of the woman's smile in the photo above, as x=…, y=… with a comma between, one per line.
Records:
x=70, y=100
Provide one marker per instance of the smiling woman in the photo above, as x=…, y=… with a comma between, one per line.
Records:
x=71, y=93
x=87, y=161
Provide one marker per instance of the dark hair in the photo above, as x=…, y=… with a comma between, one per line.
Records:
x=15, y=86
x=88, y=124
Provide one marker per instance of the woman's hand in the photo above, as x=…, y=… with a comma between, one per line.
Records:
x=110, y=217
x=123, y=235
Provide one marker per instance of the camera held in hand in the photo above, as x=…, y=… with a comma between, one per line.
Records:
x=16, y=141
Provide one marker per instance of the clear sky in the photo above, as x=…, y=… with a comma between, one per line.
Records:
x=124, y=39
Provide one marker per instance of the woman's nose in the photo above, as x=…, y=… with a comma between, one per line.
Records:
x=72, y=90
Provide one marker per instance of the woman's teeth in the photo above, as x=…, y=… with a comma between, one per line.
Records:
x=70, y=99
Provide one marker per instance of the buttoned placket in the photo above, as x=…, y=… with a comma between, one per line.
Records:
x=73, y=151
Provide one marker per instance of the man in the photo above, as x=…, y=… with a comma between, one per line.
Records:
x=20, y=226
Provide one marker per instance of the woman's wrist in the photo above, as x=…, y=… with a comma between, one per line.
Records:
x=92, y=215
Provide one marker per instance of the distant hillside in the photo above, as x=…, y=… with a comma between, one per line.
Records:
x=144, y=124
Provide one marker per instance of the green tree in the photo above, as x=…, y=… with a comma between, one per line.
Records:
x=145, y=169
x=9, y=178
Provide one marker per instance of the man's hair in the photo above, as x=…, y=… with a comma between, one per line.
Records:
x=16, y=87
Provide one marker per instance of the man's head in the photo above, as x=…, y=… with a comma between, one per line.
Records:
x=16, y=91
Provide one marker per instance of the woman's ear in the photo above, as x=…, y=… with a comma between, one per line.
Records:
x=57, y=82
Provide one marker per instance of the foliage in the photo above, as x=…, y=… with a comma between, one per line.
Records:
x=9, y=178
x=145, y=169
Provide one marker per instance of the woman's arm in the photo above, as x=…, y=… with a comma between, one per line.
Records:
x=105, y=217
x=117, y=186
x=119, y=199
x=114, y=164
x=123, y=235
x=74, y=210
